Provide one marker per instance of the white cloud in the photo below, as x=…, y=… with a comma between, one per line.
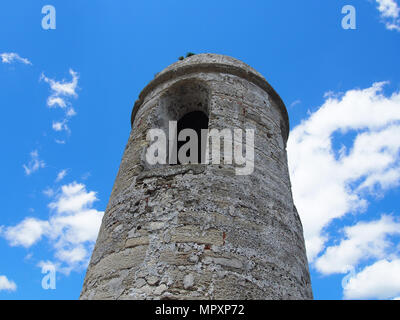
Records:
x=388, y=8
x=49, y=192
x=54, y=101
x=61, y=92
x=326, y=184
x=390, y=13
x=71, y=229
x=365, y=240
x=71, y=112
x=47, y=264
x=295, y=103
x=378, y=281
x=73, y=198
x=73, y=255
x=6, y=284
x=60, y=125
x=34, y=164
x=61, y=175
x=62, y=88
x=10, y=57
x=26, y=233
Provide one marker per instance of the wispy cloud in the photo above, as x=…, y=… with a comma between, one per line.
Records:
x=10, y=57
x=60, y=125
x=61, y=89
x=61, y=93
x=61, y=175
x=295, y=103
x=6, y=284
x=34, y=164
x=390, y=13
x=56, y=101
x=71, y=229
x=49, y=192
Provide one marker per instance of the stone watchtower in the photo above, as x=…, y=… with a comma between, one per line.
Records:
x=199, y=231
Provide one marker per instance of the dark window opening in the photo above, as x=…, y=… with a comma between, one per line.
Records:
x=195, y=120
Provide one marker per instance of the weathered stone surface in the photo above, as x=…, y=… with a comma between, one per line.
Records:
x=200, y=231
x=195, y=234
x=133, y=242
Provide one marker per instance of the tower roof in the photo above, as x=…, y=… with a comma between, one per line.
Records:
x=209, y=62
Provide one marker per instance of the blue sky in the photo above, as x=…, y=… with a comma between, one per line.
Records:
x=66, y=97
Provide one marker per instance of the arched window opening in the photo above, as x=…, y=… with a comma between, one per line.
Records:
x=184, y=105
x=195, y=120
